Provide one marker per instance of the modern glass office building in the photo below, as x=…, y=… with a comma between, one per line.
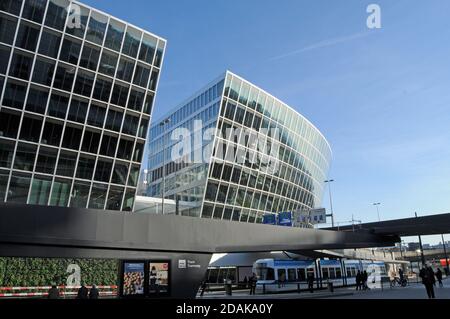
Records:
x=263, y=157
x=76, y=91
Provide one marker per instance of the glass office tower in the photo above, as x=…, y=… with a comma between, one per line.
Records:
x=238, y=178
x=76, y=90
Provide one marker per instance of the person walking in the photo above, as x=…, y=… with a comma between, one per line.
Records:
x=365, y=277
x=82, y=292
x=427, y=281
x=358, y=280
x=439, y=277
x=311, y=282
x=401, y=276
x=93, y=292
x=53, y=292
x=253, y=280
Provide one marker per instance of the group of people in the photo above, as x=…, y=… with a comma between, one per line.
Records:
x=361, y=280
x=83, y=292
x=429, y=277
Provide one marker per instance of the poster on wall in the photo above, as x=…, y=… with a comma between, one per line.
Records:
x=133, y=279
x=158, y=277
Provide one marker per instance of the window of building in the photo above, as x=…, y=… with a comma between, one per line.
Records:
x=138, y=152
x=108, y=146
x=14, y=95
x=141, y=75
x=70, y=51
x=43, y=71
x=37, y=99
x=91, y=141
x=136, y=99
x=81, y=20
x=134, y=176
x=89, y=57
x=108, y=63
x=25, y=156
x=114, y=198
x=11, y=6
x=114, y=35
x=72, y=137
x=9, y=123
x=7, y=29
x=40, y=190
x=66, y=163
x=56, y=14
x=84, y=83
x=159, y=53
x=218, y=211
x=6, y=153
x=4, y=177
x=120, y=173
x=27, y=36
x=52, y=133
x=143, y=128
x=148, y=48
x=64, y=77
x=58, y=105
x=98, y=196
x=49, y=43
x=19, y=187
x=102, y=89
x=120, y=94
x=130, y=125
x=21, y=64
x=114, y=120
x=128, y=200
x=153, y=80
x=96, y=115
x=46, y=161
x=97, y=28
x=85, y=167
x=34, y=10
x=78, y=110
x=131, y=43
x=60, y=192
x=31, y=128
x=4, y=57
x=125, y=149
x=148, y=105
x=80, y=194
x=125, y=69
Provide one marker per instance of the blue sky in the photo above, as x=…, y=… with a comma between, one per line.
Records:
x=381, y=97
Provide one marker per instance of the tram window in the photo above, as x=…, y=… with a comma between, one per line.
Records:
x=301, y=274
x=291, y=275
x=325, y=273
x=213, y=275
x=281, y=274
x=349, y=272
x=332, y=273
x=338, y=273
x=232, y=274
x=222, y=275
x=353, y=272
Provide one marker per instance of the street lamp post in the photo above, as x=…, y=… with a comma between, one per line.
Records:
x=329, y=181
x=378, y=210
x=164, y=125
x=421, y=248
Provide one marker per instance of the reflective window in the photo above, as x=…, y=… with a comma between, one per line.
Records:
x=64, y=77
x=31, y=128
x=159, y=53
x=125, y=69
x=114, y=198
x=60, y=192
x=108, y=147
x=91, y=141
x=46, y=161
x=4, y=58
x=125, y=149
x=108, y=63
x=103, y=170
x=89, y=57
x=21, y=64
x=56, y=14
x=19, y=187
x=43, y=71
x=134, y=176
x=148, y=105
x=130, y=125
x=114, y=120
x=138, y=152
x=128, y=200
x=97, y=28
x=143, y=127
x=7, y=28
x=114, y=35
x=84, y=83
x=120, y=94
x=11, y=6
x=49, y=43
x=98, y=196
x=72, y=137
x=27, y=36
x=34, y=10
x=66, y=163
x=77, y=21
x=52, y=133
x=37, y=99
x=70, y=51
x=14, y=95
x=58, y=105
x=4, y=177
x=25, y=155
x=141, y=75
x=85, y=167
x=40, y=190
x=78, y=110
x=148, y=47
x=80, y=194
x=153, y=80
x=136, y=99
x=96, y=115
x=102, y=89
x=6, y=153
x=9, y=123
x=120, y=173
x=131, y=43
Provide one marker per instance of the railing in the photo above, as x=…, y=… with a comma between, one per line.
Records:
x=42, y=291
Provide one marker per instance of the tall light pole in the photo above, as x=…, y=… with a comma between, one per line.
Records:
x=378, y=211
x=445, y=254
x=163, y=124
x=329, y=181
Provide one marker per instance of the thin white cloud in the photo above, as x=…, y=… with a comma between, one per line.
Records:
x=323, y=44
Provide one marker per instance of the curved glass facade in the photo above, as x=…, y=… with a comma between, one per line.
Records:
x=266, y=157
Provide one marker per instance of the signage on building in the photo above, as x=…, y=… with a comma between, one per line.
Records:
x=285, y=219
x=270, y=219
